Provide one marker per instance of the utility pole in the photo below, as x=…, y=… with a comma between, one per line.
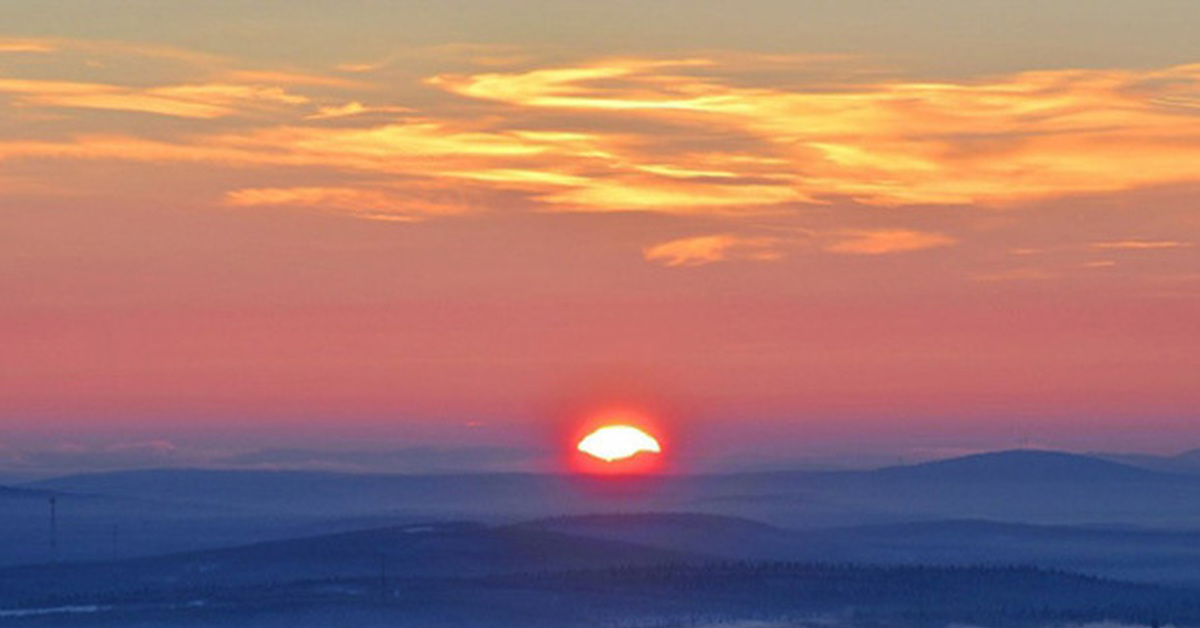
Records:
x=54, y=529
x=383, y=578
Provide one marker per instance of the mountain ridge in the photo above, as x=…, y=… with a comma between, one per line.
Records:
x=1024, y=465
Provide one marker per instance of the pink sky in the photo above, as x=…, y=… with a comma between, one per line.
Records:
x=800, y=249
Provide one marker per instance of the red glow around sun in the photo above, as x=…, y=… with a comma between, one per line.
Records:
x=618, y=443
x=613, y=443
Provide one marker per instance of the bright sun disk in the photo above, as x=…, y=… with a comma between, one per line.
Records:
x=617, y=442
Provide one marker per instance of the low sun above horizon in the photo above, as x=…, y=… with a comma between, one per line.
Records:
x=613, y=443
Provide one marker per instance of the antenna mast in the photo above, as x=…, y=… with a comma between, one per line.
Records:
x=54, y=529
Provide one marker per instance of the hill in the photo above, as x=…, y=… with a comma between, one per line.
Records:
x=476, y=496
x=12, y=492
x=715, y=535
x=427, y=551
x=1022, y=465
x=1035, y=487
x=706, y=594
x=1187, y=462
x=1158, y=556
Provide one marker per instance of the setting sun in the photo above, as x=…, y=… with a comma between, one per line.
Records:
x=509, y=313
x=618, y=442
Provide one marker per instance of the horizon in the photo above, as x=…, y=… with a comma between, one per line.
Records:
x=432, y=462
x=564, y=313
x=400, y=227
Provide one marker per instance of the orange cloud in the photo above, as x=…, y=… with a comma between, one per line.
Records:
x=888, y=241
x=697, y=251
x=666, y=196
x=184, y=101
x=25, y=46
x=200, y=85
x=405, y=204
x=1140, y=245
x=1008, y=139
x=353, y=108
x=701, y=250
x=125, y=50
x=689, y=136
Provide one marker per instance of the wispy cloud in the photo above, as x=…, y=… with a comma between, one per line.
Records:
x=1005, y=139
x=354, y=108
x=25, y=46
x=212, y=100
x=886, y=241
x=698, y=135
x=404, y=203
x=701, y=250
x=1140, y=245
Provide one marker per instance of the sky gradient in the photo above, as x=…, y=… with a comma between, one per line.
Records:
x=798, y=230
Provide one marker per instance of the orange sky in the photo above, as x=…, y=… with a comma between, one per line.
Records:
x=440, y=237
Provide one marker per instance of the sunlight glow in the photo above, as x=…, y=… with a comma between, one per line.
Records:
x=618, y=442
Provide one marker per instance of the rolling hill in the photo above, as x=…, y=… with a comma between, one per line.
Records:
x=426, y=551
x=12, y=492
x=1157, y=556
x=1030, y=487
x=1023, y=465
x=662, y=594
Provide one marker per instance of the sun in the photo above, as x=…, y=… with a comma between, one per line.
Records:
x=612, y=443
x=623, y=444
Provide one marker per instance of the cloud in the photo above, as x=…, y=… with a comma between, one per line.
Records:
x=150, y=79
x=701, y=250
x=1006, y=139
x=97, y=49
x=887, y=241
x=25, y=46
x=185, y=101
x=717, y=135
x=404, y=204
x=353, y=108
x=1140, y=245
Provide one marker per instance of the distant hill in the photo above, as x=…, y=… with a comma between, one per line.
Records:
x=1187, y=462
x=534, y=574
x=1036, y=487
x=435, y=550
x=1021, y=486
x=727, y=537
x=670, y=521
x=1023, y=465
x=10, y=492
x=192, y=484
x=1142, y=555
x=666, y=594
x=477, y=496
